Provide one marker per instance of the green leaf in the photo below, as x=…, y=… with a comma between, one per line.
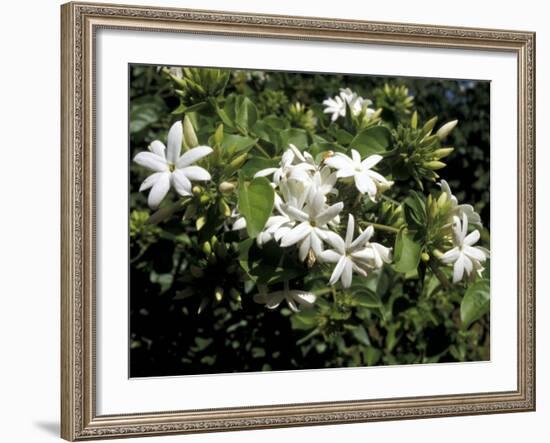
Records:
x=476, y=302
x=360, y=334
x=407, y=252
x=297, y=137
x=255, y=203
x=372, y=355
x=367, y=299
x=373, y=140
x=237, y=142
x=414, y=209
x=166, y=212
x=270, y=275
x=304, y=320
x=246, y=113
x=144, y=112
x=255, y=164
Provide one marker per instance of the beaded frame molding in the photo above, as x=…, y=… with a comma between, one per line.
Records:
x=79, y=22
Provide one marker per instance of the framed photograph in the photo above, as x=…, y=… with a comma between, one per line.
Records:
x=277, y=221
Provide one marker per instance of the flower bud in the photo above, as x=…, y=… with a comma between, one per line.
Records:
x=206, y=248
x=446, y=129
x=197, y=190
x=224, y=209
x=434, y=165
x=226, y=187
x=425, y=256
x=204, y=198
x=238, y=161
x=442, y=152
x=218, y=293
x=189, y=137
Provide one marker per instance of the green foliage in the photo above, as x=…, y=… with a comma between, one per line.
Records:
x=193, y=277
x=475, y=303
x=255, y=203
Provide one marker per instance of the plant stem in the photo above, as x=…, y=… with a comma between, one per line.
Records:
x=308, y=336
x=262, y=150
x=382, y=227
x=440, y=276
x=391, y=200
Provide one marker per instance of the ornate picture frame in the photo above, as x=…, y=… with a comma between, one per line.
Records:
x=80, y=22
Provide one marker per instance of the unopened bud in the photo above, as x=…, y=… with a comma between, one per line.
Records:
x=218, y=293
x=206, y=248
x=225, y=210
x=442, y=152
x=197, y=190
x=434, y=165
x=238, y=161
x=226, y=187
x=189, y=137
x=446, y=129
x=425, y=256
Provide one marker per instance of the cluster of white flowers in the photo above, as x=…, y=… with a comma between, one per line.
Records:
x=337, y=104
x=305, y=218
x=171, y=167
x=465, y=257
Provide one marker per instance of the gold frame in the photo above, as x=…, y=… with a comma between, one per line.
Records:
x=79, y=22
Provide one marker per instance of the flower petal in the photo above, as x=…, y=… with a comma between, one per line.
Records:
x=371, y=161
x=265, y=172
x=159, y=190
x=355, y=156
x=181, y=183
x=296, y=234
x=175, y=139
x=339, y=161
x=472, y=238
x=458, y=270
x=303, y=297
x=304, y=248
x=158, y=148
x=239, y=224
x=316, y=244
x=274, y=299
x=193, y=155
x=295, y=213
x=475, y=253
x=150, y=181
x=151, y=161
x=450, y=256
x=349, y=231
x=365, y=255
x=338, y=269
x=196, y=173
x=329, y=256
x=363, y=237
x=347, y=274
x=328, y=214
x=336, y=241
x=365, y=184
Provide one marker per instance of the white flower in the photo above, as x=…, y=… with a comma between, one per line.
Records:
x=171, y=168
x=337, y=105
x=354, y=255
x=460, y=210
x=366, y=180
x=312, y=228
x=295, y=298
x=464, y=255
x=293, y=165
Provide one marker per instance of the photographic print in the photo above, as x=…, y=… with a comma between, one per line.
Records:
x=288, y=221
